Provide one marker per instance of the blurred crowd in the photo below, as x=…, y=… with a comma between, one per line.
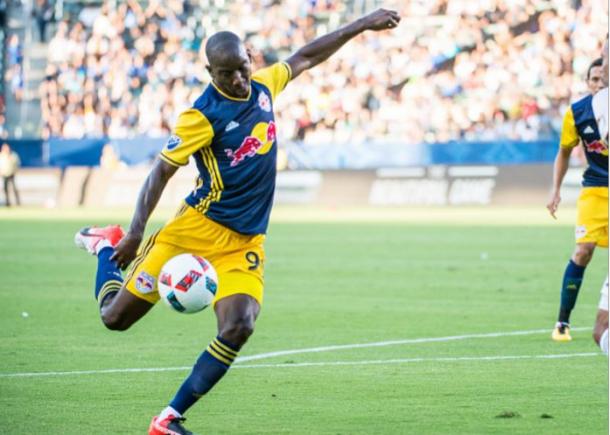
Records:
x=14, y=68
x=454, y=69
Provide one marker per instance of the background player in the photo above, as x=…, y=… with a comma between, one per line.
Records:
x=580, y=125
x=9, y=165
x=595, y=77
x=600, y=107
x=226, y=216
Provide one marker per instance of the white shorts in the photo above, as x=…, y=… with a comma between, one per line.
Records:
x=603, y=301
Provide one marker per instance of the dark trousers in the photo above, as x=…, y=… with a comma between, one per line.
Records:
x=42, y=29
x=10, y=180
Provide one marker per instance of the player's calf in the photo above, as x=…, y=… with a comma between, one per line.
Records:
x=101, y=243
x=236, y=317
x=570, y=287
x=210, y=367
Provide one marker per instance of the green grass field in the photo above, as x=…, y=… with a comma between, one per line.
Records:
x=382, y=285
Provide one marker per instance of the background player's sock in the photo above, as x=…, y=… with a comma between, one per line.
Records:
x=603, y=342
x=572, y=279
x=208, y=370
x=108, y=280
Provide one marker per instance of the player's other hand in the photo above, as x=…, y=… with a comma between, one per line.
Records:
x=126, y=250
x=554, y=203
x=381, y=19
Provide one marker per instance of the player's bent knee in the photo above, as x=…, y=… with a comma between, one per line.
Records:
x=115, y=322
x=238, y=331
x=124, y=310
x=583, y=254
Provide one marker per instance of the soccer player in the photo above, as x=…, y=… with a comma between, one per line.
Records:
x=231, y=134
x=581, y=124
x=600, y=107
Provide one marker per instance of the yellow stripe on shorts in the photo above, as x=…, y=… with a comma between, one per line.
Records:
x=181, y=211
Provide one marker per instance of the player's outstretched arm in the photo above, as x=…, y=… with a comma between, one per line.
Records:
x=148, y=198
x=562, y=162
x=569, y=139
x=325, y=46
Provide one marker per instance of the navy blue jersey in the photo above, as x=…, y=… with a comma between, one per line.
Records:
x=234, y=144
x=580, y=124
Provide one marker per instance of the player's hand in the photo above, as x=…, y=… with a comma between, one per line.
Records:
x=126, y=250
x=554, y=203
x=381, y=19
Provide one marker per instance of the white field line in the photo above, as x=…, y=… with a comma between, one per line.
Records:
x=395, y=343
x=330, y=349
x=416, y=360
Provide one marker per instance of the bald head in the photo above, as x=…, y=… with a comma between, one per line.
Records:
x=222, y=45
x=229, y=64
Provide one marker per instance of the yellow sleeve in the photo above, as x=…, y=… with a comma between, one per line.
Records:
x=193, y=131
x=275, y=77
x=569, y=134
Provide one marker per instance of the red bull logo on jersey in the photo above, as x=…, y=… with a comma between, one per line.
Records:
x=597, y=147
x=145, y=283
x=259, y=142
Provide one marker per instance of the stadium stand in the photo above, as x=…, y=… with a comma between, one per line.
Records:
x=130, y=69
x=490, y=78
x=493, y=73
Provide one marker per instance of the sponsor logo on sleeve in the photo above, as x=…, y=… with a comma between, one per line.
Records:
x=173, y=142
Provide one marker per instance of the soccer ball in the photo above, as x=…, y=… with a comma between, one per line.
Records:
x=187, y=283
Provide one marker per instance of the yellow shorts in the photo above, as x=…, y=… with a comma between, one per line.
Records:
x=237, y=258
x=592, y=219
